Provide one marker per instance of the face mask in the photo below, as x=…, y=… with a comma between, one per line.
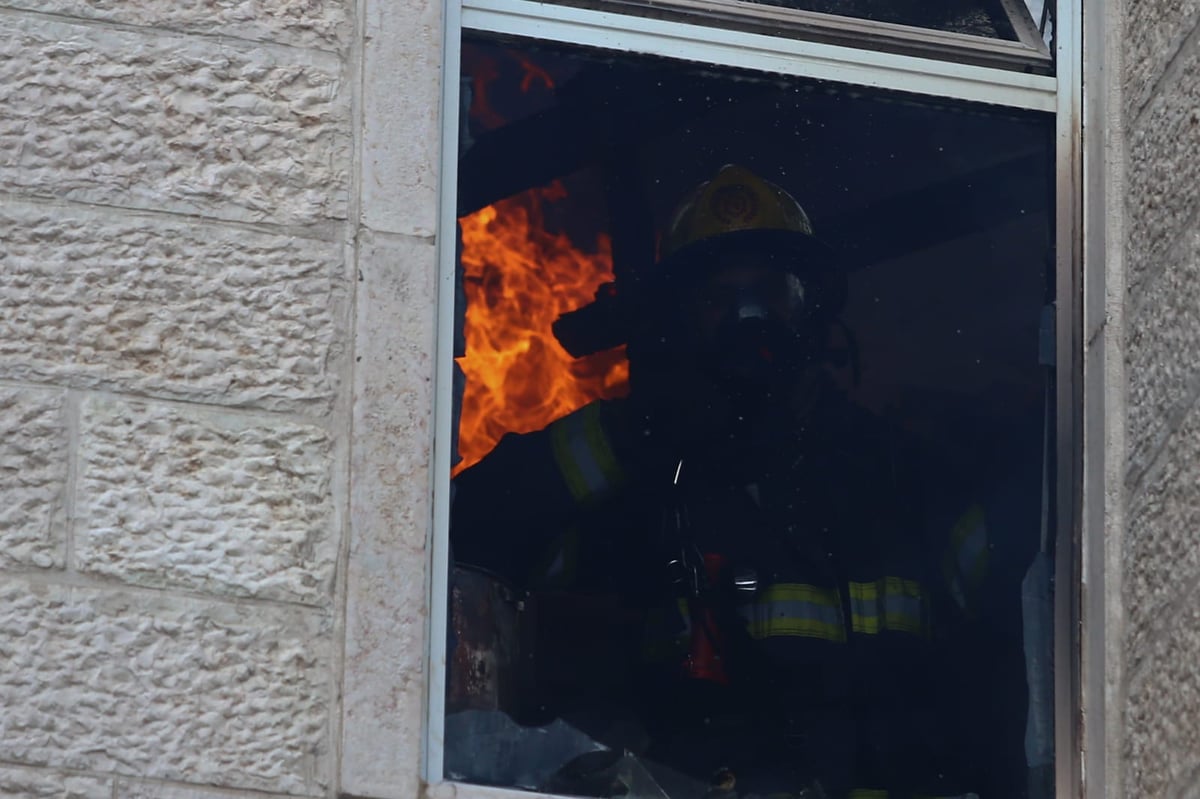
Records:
x=757, y=351
x=756, y=342
x=749, y=331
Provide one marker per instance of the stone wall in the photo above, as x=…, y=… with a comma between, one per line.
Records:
x=202, y=205
x=1158, y=697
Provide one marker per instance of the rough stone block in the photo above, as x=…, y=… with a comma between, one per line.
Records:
x=189, y=311
x=34, y=783
x=323, y=24
x=383, y=689
x=33, y=477
x=1163, y=353
x=1162, y=196
x=401, y=120
x=145, y=684
x=1153, y=32
x=158, y=121
x=138, y=789
x=1160, y=551
x=1162, y=739
x=221, y=504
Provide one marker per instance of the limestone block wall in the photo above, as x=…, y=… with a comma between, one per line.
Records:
x=216, y=293
x=1157, y=702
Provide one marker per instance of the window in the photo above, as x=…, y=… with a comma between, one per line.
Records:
x=758, y=483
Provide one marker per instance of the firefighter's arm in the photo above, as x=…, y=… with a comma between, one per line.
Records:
x=982, y=582
x=509, y=507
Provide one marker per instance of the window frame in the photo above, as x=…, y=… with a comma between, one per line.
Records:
x=732, y=48
x=1028, y=52
x=1079, y=473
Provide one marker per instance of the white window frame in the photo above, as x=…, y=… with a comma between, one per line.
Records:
x=732, y=48
x=1061, y=94
x=1027, y=53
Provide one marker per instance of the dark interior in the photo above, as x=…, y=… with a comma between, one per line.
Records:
x=941, y=212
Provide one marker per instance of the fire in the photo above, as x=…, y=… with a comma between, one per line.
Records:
x=518, y=279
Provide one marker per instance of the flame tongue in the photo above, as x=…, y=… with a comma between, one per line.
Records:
x=518, y=279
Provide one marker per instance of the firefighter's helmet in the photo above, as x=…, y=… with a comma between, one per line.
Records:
x=737, y=211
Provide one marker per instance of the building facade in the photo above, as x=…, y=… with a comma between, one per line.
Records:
x=218, y=308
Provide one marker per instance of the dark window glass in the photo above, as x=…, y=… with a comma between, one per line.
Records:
x=753, y=436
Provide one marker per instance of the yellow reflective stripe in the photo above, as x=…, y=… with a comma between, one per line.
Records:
x=797, y=610
x=864, y=608
x=867, y=625
x=798, y=628
x=583, y=454
x=890, y=603
x=904, y=605
x=560, y=440
x=801, y=592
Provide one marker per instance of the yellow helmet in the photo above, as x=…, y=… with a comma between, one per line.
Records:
x=735, y=200
x=739, y=211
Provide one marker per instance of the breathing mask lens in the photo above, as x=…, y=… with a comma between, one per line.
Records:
x=757, y=335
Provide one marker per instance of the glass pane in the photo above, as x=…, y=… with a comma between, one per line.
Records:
x=753, y=436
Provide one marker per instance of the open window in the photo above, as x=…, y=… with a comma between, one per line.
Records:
x=755, y=469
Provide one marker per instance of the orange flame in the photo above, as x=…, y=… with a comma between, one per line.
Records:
x=518, y=279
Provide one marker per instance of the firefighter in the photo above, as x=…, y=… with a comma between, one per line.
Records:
x=796, y=591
